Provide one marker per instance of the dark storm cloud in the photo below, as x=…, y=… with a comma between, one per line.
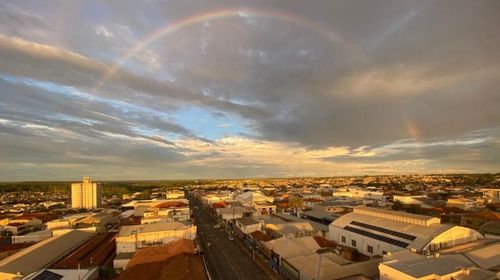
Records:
x=407, y=80
x=45, y=63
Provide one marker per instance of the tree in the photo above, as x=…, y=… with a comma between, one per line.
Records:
x=397, y=205
x=295, y=203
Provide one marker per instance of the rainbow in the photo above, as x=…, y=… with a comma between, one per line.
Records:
x=175, y=26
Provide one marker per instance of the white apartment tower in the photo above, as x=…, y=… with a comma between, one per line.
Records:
x=86, y=195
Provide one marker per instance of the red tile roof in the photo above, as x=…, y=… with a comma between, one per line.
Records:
x=174, y=260
x=323, y=243
x=172, y=204
x=260, y=236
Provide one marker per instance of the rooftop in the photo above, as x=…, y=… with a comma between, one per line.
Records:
x=155, y=227
x=397, y=216
x=418, y=266
x=43, y=253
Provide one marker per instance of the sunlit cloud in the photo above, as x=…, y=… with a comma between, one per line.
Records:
x=124, y=90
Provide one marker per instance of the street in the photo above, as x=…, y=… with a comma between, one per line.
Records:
x=224, y=258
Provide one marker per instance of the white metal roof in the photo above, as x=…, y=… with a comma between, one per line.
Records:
x=43, y=253
x=423, y=234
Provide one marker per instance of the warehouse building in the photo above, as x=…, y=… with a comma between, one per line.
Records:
x=374, y=231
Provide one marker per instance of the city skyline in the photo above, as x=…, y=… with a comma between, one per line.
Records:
x=218, y=89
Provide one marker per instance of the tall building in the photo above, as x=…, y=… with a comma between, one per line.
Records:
x=86, y=194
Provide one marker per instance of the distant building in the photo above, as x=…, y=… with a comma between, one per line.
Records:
x=410, y=199
x=462, y=203
x=491, y=193
x=374, y=231
x=86, y=194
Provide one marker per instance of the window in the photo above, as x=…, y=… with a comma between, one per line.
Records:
x=343, y=239
x=369, y=249
x=353, y=243
x=384, y=252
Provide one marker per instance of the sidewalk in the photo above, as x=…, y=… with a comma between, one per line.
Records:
x=267, y=270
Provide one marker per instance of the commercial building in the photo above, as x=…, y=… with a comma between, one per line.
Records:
x=41, y=255
x=491, y=194
x=406, y=265
x=175, y=260
x=374, y=231
x=462, y=203
x=65, y=274
x=169, y=211
x=131, y=238
x=86, y=194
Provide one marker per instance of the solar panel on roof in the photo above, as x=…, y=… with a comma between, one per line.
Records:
x=377, y=237
x=48, y=275
x=384, y=230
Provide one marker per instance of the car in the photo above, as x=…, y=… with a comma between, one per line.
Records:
x=231, y=237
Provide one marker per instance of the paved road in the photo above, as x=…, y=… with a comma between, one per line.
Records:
x=225, y=259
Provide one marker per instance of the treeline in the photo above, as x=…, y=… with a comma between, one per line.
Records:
x=109, y=187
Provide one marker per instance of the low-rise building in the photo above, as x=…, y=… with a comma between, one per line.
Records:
x=406, y=265
x=462, y=203
x=131, y=238
x=374, y=231
x=65, y=274
x=168, y=211
x=41, y=254
x=234, y=212
x=410, y=199
x=248, y=225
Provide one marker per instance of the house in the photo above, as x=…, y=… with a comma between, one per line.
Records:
x=277, y=228
x=374, y=231
x=142, y=206
x=101, y=221
x=20, y=226
x=264, y=208
x=311, y=202
x=249, y=199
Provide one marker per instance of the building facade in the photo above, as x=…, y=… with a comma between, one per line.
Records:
x=86, y=194
x=374, y=231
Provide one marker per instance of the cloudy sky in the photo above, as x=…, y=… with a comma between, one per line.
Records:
x=212, y=89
